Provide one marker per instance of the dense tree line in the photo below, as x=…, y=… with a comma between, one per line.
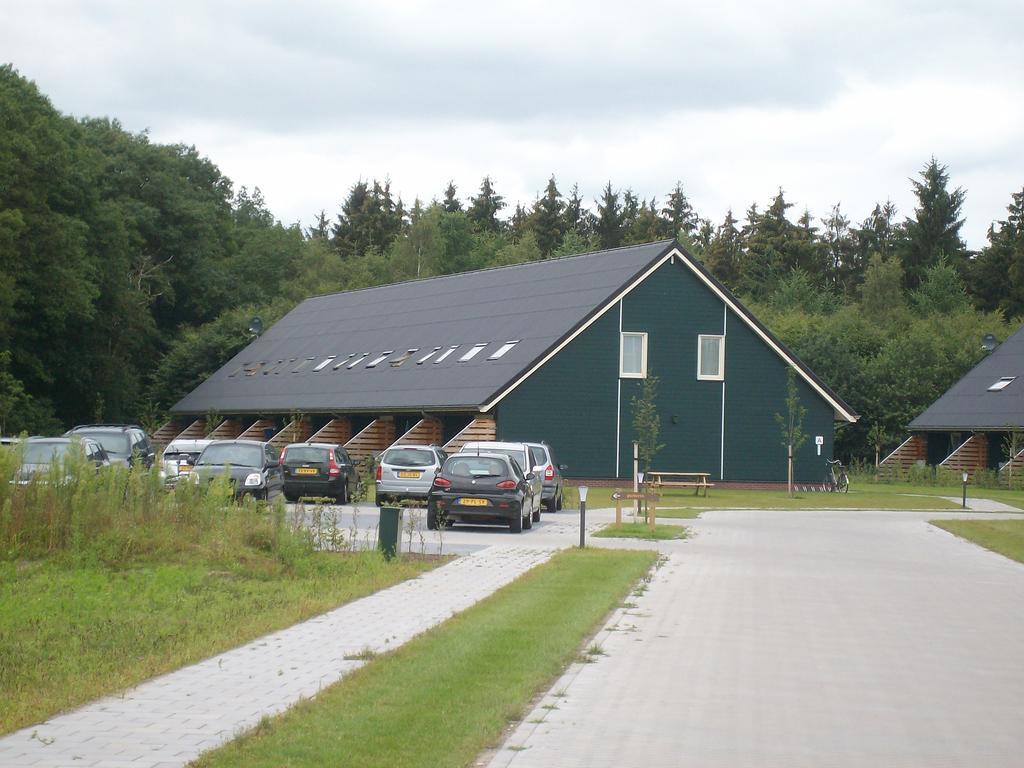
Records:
x=130, y=269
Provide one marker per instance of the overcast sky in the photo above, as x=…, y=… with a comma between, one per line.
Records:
x=832, y=101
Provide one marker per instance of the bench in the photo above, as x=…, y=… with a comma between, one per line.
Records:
x=695, y=480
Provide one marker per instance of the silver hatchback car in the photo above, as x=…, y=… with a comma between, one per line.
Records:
x=407, y=472
x=520, y=452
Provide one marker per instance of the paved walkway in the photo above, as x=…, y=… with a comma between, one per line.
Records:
x=800, y=639
x=168, y=721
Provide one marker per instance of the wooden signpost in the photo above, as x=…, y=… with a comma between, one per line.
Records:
x=650, y=498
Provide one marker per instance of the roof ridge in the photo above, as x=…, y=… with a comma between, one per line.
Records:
x=665, y=242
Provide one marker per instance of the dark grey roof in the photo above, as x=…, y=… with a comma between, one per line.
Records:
x=969, y=405
x=537, y=303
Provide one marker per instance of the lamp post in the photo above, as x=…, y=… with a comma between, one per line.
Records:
x=640, y=487
x=583, y=515
x=964, y=478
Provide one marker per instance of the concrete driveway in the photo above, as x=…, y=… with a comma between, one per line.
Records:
x=800, y=639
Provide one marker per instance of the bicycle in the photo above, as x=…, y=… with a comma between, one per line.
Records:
x=836, y=479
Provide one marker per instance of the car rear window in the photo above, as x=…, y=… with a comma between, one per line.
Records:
x=115, y=443
x=538, y=456
x=408, y=457
x=475, y=466
x=304, y=454
x=516, y=455
x=43, y=453
x=236, y=455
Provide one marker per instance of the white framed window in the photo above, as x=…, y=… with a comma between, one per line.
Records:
x=633, y=355
x=710, y=358
x=470, y=354
x=503, y=349
x=446, y=353
x=1002, y=384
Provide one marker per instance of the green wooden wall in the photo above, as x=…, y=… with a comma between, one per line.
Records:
x=572, y=402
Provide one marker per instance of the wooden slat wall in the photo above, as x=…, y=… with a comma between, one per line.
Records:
x=229, y=429
x=971, y=456
x=255, y=430
x=428, y=431
x=163, y=436
x=911, y=451
x=480, y=428
x=376, y=437
x=1011, y=473
x=196, y=430
x=334, y=431
x=297, y=431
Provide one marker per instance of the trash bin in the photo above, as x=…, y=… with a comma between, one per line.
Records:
x=387, y=532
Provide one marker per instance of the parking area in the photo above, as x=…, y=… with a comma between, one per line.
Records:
x=799, y=639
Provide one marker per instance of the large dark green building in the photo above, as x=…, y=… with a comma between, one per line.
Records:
x=553, y=350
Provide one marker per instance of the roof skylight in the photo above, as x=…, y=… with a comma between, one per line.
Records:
x=427, y=356
x=303, y=364
x=472, y=353
x=340, y=363
x=446, y=353
x=503, y=349
x=324, y=364
x=357, y=361
x=380, y=359
x=1002, y=384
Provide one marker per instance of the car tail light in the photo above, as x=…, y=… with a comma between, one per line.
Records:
x=280, y=461
x=549, y=472
x=380, y=472
x=506, y=485
x=332, y=465
x=442, y=482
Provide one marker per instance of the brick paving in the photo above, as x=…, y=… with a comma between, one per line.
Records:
x=170, y=720
x=789, y=639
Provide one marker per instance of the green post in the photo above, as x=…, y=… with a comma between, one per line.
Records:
x=387, y=532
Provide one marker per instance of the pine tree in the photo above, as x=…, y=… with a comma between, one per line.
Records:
x=574, y=216
x=519, y=223
x=483, y=209
x=451, y=203
x=678, y=214
x=935, y=229
x=350, y=237
x=844, y=270
x=997, y=275
x=608, y=226
x=548, y=223
x=321, y=229
x=646, y=225
x=725, y=252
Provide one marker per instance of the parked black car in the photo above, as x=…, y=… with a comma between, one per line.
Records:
x=252, y=467
x=318, y=469
x=124, y=443
x=480, y=488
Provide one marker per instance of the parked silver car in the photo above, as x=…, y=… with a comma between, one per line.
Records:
x=178, y=459
x=38, y=454
x=407, y=472
x=550, y=473
x=520, y=453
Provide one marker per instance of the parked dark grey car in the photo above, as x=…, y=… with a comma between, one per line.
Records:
x=124, y=443
x=318, y=469
x=550, y=474
x=253, y=467
x=481, y=488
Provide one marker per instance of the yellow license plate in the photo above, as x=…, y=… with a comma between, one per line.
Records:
x=410, y=474
x=184, y=469
x=474, y=502
x=305, y=471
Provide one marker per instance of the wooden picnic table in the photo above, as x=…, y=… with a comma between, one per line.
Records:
x=695, y=480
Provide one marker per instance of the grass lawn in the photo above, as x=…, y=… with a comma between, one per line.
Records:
x=642, y=531
x=69, y=634
x=1003, y=536
x=868, y=496
x=450, y=692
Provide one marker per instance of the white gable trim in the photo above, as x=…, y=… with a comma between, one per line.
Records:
x=597, y=316
x=741, y=313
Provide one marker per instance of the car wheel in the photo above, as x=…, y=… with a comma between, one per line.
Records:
x=536, y=515
x=515, y=525
x=291, y=497
x=343, y=496
x=431, y=517
x=558, y=506
x=528, y=522
x=551, y=505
